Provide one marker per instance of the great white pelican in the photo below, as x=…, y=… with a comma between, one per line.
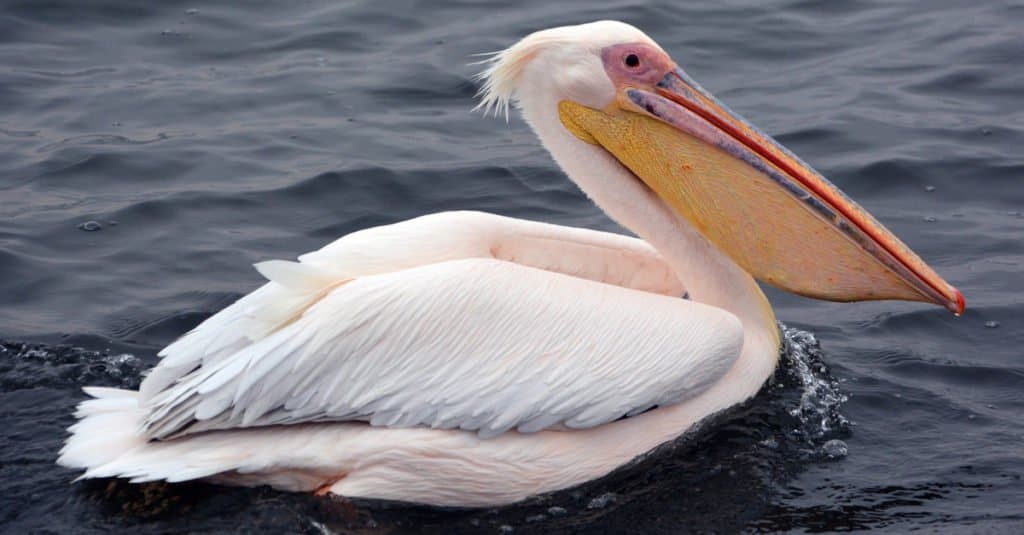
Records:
x=468, y=359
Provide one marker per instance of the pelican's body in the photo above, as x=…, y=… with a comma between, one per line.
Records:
x=469, y=359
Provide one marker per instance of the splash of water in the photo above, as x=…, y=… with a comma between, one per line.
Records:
x=821, y=425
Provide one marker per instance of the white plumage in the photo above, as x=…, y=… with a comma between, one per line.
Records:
x=457, y=320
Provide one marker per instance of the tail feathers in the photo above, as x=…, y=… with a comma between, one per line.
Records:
x=107, y=428
x=106, y=442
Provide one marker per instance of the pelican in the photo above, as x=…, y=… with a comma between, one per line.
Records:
x=468, y=359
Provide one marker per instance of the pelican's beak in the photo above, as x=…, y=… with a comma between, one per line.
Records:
x=775, y=216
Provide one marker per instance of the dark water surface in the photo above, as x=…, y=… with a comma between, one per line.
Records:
x=202, y=137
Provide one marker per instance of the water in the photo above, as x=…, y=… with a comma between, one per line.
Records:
x=149, y=153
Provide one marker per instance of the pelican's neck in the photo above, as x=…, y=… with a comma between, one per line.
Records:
x=709, y=276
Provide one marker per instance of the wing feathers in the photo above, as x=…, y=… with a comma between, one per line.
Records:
x=298, y=277
x=442, y=321
x=477, y=344
x=434, y=238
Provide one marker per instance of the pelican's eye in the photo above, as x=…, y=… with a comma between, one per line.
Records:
x=634, y=64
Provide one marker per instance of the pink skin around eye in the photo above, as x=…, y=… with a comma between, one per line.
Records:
x=652, y=66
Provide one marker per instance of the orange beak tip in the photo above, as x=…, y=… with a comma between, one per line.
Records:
x=960, y=304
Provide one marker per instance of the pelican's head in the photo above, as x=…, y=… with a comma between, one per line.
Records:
x=613, y=87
